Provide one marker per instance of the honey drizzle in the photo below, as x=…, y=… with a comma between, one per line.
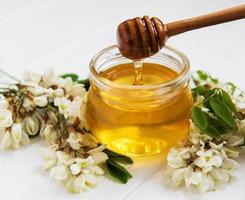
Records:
x=138, y=75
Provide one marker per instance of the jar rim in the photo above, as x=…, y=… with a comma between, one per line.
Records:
x=94, y=75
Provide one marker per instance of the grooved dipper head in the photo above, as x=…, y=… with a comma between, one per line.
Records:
x=141, y=37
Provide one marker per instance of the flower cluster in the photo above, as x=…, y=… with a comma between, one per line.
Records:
x=207, y=158
x=45, y=104
x=11, y=133
x=53, y=107
x=203, y=164
x=77, y=174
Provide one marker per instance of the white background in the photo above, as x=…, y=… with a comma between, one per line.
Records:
x=64, y=35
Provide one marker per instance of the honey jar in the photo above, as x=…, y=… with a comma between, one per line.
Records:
x=143, y=119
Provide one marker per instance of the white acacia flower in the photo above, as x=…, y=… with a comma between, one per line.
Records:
x=50, y=158
x=78, y=174
x=66, y=83
x=15, y=138
x=210, y=167
x=13, y=87
x=178, y=177
x=28, y=104
x=200, y=181
x=177, y=157
x=19, y=136
x=81, y=184
x=59, y=172
x=239, y=99
x=74, y=141
x=75, y=169
x=6, y=140
x=64, y=159
x=30, y=76
x=100, y=148
x=85, y=162
x=75, y=107
x=208, y=159
x=99, y=157
x=220, y=175
x=40, y=101
x=59, y=92
x=49, y=78
x=230, y=165
x=78, y=90
x=76, y=184
x=16, y=133
x=69, y=185
x=31, y=125
x=49, y=134
x=37, y=90
x=231, y=152
x=95, y=169
x=85, y=172
x=235, y=140
x=5, y=118
x=216, y=146
x=64, y=106
x=90, y=164
x=4, y=104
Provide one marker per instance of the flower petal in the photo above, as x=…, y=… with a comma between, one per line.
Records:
x=75, y=169
x=40, y=101
x=6, y=140
x=99, y=157
x=5, y=118
x=59, y=172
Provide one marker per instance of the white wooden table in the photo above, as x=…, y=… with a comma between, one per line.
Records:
x=64, y=35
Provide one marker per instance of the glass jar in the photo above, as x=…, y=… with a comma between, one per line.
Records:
x=139, y=119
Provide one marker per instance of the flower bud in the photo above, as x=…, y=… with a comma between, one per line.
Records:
x=41, y=101
x=31, y=125
x=4, y=104
x=5, y=118
x=31, y=77
x=53, y=117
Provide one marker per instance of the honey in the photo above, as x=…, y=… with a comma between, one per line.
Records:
x=139, y=119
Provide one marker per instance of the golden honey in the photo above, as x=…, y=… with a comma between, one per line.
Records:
x=140, y=119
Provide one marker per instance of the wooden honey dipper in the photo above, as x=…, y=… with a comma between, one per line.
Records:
x=142, y=37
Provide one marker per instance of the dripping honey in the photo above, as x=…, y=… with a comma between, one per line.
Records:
x=138, y=122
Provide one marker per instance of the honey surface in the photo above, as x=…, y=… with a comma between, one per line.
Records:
x=151, y=74
x=137, y=127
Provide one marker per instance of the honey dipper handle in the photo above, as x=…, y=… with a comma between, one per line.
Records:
x=226, y=15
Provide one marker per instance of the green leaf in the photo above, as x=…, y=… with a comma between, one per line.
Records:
x=211, y=131
x=119, y=167
x=202, y=75
x=118, y=157
x=85, y=82
x=228, y=102
x=74, y=77
x=199, y=118
x=119, y=175
x=218, y=123
x=200, y=90
x=214, y=80
x=117, y=171
x=222, y=111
